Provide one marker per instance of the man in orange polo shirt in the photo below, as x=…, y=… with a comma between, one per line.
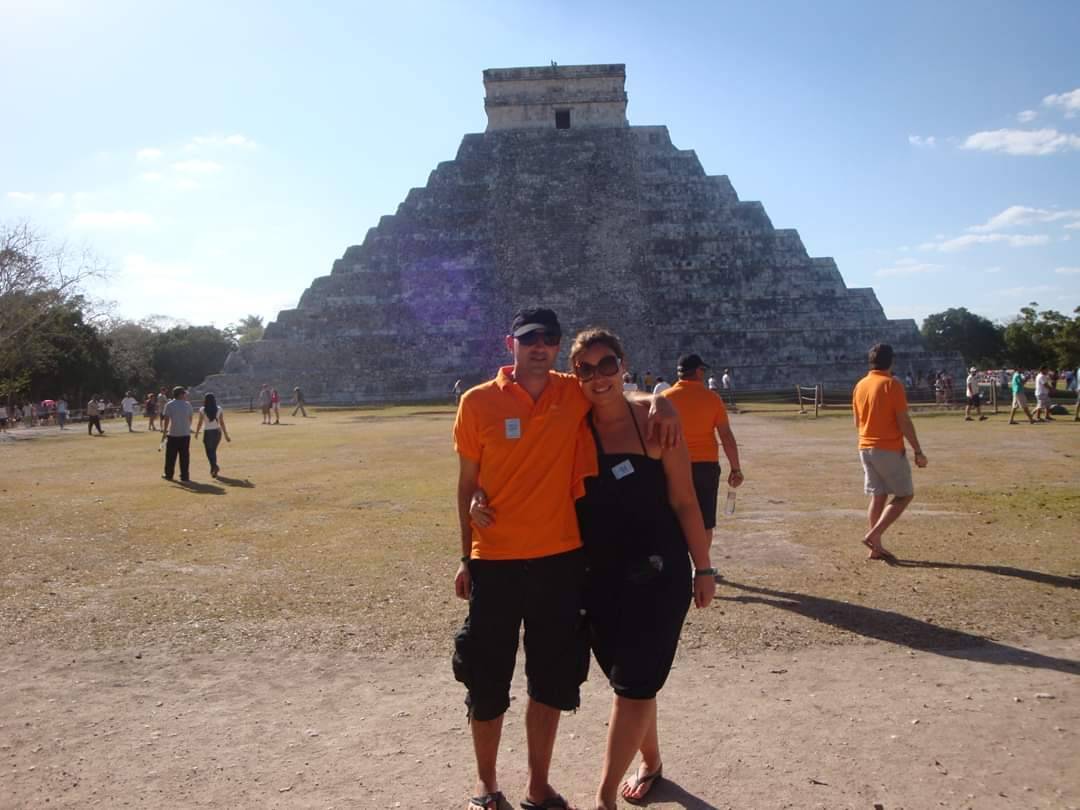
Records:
x=704, y=418
x=881, y=417
x=516, y=437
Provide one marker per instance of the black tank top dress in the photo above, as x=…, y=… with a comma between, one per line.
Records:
x=639, y=580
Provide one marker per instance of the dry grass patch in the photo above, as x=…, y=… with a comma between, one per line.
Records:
x=340, y=531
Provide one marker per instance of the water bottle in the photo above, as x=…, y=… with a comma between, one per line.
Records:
x=729, y=503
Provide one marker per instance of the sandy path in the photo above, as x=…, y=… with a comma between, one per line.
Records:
x=847, y=726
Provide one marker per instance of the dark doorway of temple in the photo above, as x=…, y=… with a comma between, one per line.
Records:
x=562, y=119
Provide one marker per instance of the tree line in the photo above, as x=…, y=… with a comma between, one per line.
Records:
x=1030, y=340
x=55, y=342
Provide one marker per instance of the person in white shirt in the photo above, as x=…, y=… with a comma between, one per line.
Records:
x=212, y=431
x=661, y=386
x=628, y=383
x=974, y=400
x=712, y=384
x=127, y=407
x=1042, y=393
x=729, y=390
x=61, y=412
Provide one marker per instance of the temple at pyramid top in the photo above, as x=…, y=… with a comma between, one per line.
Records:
x=555, y=97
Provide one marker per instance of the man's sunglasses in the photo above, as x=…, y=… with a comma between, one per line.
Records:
x=607, y=367
x=534, y=337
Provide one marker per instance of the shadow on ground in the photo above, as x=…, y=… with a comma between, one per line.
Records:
x=201, y=489
x=1068, y=581
x=242, y=483
x=896, y=628
x=668, y=791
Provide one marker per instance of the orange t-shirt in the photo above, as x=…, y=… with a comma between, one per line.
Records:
x=526, y=454
x=701, y=412
x=877, y=399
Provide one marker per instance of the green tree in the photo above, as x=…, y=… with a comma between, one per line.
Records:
x=131, y=352
x=186, y=355
x=249, y=329
x=979, y=340
x=1034, y=338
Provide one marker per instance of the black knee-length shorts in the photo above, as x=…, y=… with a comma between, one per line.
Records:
x=546, y=595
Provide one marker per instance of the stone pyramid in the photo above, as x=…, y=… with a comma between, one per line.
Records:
x=562, y=203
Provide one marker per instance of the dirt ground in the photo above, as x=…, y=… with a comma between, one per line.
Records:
x=280, y=638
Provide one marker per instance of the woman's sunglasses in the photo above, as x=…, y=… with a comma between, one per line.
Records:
x=532, y=338
x=607, y=367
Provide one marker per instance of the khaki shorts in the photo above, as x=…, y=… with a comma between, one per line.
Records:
x=1019, y=400
x=887, y=472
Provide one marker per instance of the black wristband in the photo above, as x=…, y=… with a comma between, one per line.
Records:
x=465, y=558
x=706, y=572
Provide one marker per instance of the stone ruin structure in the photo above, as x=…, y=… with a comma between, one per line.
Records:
x=562, y=203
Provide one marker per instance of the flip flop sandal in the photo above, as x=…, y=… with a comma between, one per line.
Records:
x=555, y=802
x=649, y=781
x=489, y=801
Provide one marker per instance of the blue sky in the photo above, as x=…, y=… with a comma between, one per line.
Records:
x=221, y=156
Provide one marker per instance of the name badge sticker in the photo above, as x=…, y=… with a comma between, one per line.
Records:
x=622, y=469
x=513, y=428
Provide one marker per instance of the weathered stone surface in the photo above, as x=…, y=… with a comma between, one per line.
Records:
x=608, y=224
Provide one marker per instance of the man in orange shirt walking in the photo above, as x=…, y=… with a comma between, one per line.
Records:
x=516, y=437
x=704, y=418
x=881, y=416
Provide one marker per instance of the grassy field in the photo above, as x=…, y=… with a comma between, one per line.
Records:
x=339, y=531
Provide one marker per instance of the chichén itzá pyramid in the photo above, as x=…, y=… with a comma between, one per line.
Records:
x=562, y=203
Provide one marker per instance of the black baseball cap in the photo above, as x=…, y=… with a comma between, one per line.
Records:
x=530, y=320
x=691, y=362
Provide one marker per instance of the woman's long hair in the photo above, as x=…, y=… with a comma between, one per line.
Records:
x=210, y=407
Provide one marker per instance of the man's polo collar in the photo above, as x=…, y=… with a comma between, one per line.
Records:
x=881, y=372
x=688, y=383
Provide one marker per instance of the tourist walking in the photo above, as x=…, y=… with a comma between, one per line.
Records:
x=150, y=411
x=883, y=423
x=628, y=383
x=298, y=398
x=974, y=399
x=93, y=416
x=457, y=389
x=264, y=403
x=275, y=405
x=728, y=383
x=1019, y=398
x=162, y=401
x=127, y=407
x=176, y=425
x=1042, y=394
x=704, y=421
x=61, y=412
x=213, y=430
x=661, y=386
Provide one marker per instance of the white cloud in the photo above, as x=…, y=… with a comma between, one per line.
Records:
x=1067, y=271
x=113, y=219
x=1073, y=226
x=906, y=267
x=57, y=198
x=1069, y=102
x=151, y=177
x=148, y=154
x=186, y=184
x=1026, y=291
x=1022, y=141
x=1027, y=116
x=151, y=270
x=197, y=166
x=967, y=240
x=992, y=270
x=21, y=196
x=1016, y=215
x=927, y=141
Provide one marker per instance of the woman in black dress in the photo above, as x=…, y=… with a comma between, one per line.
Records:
x=640, y=524
x=639, y=520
